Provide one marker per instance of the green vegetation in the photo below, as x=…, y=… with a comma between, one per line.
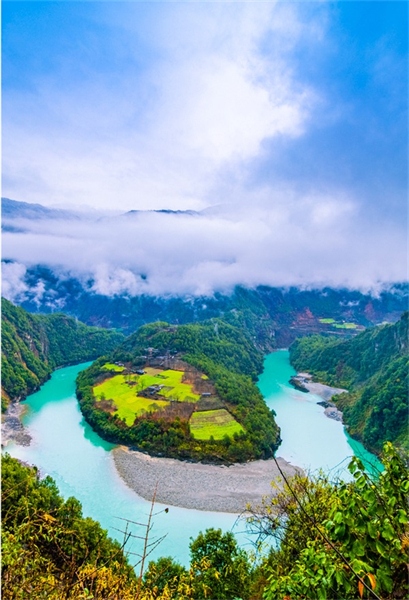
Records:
x=348, y=540
x=221, y=352
x=34, y=345
x=373, y=366
x=345, y=325
x=49, y=550
x=337, y=325
x=122, y=397
x=171, y=380
x=112, y=367
x=213, y=424
x=121, y=392
x=322, y=540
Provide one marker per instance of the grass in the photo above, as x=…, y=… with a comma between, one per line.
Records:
x=112, y=367
x=172, y=381
x=215, y=423
x=338, y=325
x=128, y=404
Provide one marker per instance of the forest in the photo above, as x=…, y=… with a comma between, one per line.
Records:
x=34, y=345
x=227, y=356
x=373, y=367
x=316, y=539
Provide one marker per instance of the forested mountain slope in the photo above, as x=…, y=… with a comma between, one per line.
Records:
x=373, y=366
x=276, y=316
x=34, y=345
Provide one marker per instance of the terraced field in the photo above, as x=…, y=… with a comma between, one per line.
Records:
x=213, y=423
x=124, y=391
x=132, y=395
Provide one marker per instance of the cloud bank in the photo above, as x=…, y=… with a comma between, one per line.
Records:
x=315, y=242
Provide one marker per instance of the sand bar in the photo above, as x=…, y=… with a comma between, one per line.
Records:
x=196, y=485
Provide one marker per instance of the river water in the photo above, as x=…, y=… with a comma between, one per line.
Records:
x=310, y=439
x=65, y=447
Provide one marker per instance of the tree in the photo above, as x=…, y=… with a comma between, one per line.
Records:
x=164, y=574
x=221, y=570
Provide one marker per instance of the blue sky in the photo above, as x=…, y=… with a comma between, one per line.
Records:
x=290, y=110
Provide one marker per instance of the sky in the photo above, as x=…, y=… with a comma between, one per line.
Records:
x=284, y=122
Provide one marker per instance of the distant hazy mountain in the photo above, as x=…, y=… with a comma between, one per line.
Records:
x=12, y=209
x=276, y=316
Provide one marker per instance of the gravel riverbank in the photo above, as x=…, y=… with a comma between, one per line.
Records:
x=198, y=486
x=326, y=392
x=303, y=382
x=12, y=429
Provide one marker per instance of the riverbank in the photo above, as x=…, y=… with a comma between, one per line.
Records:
x=304, y=383
x=12, y=429
x=198, y=486
x=304, y=380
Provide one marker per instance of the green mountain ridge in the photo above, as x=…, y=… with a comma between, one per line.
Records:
x=34, y=345
x=374, y=367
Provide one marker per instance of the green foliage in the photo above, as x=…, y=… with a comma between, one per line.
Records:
x=49, y=550
x=164, y=574
x=374, y=367
x=70, y=341
x=333, y=540
x=227, y=357
x=344, y=540
x=221, y=569
x=34, y=345
x=216, y=340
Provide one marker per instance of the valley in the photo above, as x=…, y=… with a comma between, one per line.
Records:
x=205, y=326
x=186, y=412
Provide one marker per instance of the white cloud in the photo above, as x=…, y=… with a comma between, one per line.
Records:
x=165, y=135
x=13, y=286
x=318, y=240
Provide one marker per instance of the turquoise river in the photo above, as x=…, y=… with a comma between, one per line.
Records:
x=65, y=447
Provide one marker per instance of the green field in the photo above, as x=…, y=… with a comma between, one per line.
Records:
x=338, y=325
x=112, y=367
x=123, y=390
x=172, y=381
x=215, y=423
x=128, y=404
